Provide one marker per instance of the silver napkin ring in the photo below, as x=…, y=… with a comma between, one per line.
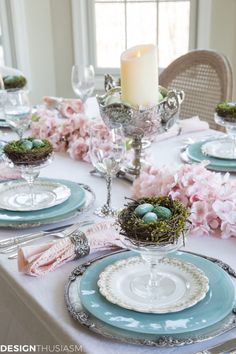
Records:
x=82, y=248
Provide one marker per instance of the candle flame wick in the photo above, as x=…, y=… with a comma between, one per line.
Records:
x=139, y=54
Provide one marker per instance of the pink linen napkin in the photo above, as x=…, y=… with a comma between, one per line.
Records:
x=189, y=125
x=38, y=260
x=66, y=106
x=8, y=173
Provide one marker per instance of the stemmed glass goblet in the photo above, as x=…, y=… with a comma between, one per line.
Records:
x=152, y=284
x=17, y=111
x=107, y=152
x=227, y=145
x=31, y=198
x=83, y=81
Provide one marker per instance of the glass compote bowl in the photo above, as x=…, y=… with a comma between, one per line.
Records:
x=154, y=227
x=228, y=143
x=153, y=284
x=31, y=198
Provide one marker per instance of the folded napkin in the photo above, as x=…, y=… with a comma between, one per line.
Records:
x=8, y=173
x=66, y=106
x=40, y=259
x=189, y=125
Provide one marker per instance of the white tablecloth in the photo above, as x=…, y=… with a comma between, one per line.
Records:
x=33, y=311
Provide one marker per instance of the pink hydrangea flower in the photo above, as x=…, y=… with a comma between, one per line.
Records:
x=78, y=149
x=66, y=135
x=69, y=107
x=210, y=196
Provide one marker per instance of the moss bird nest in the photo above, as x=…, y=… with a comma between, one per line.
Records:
x=28, y=151
x=14, y=82
x=227, y=110
x=161, y=231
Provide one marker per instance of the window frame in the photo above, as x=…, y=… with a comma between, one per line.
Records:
x=83, y=21
x=7, y=33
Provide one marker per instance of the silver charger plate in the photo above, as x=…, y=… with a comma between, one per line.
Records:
x=77, y=311
x=15, y=195
x=183, y=285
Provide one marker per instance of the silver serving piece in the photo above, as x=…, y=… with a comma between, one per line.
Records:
x=138, y=122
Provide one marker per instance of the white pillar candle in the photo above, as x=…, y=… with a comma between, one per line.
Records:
x=139, y=75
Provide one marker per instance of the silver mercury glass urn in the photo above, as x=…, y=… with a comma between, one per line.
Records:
x=138, y=122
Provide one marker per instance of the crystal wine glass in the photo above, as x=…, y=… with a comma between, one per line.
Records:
x=83, y=81
x=17, y=111
x=106, y=152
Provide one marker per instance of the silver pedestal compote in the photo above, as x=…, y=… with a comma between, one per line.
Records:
x=31, y=198
x=139, y=122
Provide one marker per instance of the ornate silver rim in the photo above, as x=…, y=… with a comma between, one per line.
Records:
x=98, y=327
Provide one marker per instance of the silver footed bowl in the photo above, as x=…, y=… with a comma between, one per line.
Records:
x=151, y=120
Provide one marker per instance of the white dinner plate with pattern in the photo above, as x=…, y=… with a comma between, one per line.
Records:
x=190, y=285
x=220, y=148
x=15, y=195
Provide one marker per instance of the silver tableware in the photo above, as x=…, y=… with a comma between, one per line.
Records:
x=10, y=244
x=78, y=238
x=76, y=310
x=53, y=229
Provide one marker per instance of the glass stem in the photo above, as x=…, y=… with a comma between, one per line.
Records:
x=155, y=278
x=20, y=134
x=30, y=177
x=31, y=192
x=109, y=184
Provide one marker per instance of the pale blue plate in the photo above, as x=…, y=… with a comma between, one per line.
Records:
x=214, y=307
x=194, y=152
x=73, y=203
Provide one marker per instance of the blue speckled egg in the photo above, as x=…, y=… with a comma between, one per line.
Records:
x=149, y=217
x=162, y=212
x=143, y=209
x=37, y=143
x=26, y=144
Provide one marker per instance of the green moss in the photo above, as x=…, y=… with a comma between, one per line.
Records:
x=16, y=146
x=160, y=231
x=14, y=82
x=20, y=154
x=227, y=109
